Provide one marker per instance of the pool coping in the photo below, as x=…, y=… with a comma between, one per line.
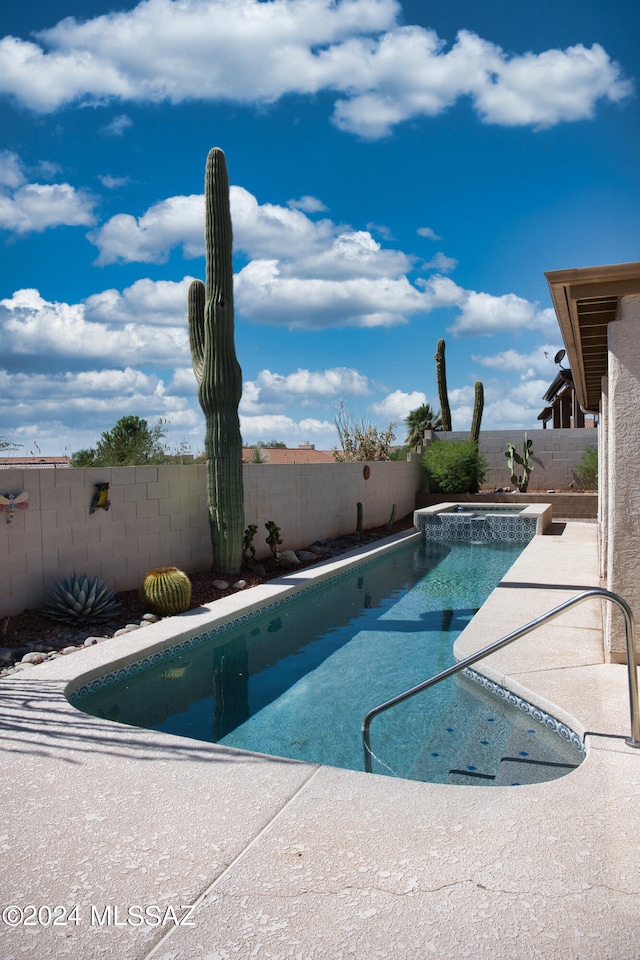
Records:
x=283, y=859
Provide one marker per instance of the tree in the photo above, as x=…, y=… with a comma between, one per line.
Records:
x=130, y=442
x=418, y=420
x=361, y=440
x=7, y=444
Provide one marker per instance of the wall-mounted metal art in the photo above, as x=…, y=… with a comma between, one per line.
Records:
x=12, y=500
x=100, y=498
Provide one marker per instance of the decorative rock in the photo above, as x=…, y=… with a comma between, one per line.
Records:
x=89, y=642
x=290, y=558
x=239, y=585
x=305, y=556
x=66, y=650
x=128, y=628
x=317, y=549
x=220, y=585
x=23, y=666
x=151, y=618
x=33, y=658
x=259, y=570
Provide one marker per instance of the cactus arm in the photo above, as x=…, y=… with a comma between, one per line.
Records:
x=195, y=311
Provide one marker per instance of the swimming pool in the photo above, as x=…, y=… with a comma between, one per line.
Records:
x=296, y=680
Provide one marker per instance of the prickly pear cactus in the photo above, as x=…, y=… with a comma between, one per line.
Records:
x=523, y=460
x=211, y=338
x=441, y=376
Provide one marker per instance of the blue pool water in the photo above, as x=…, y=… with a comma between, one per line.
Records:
x=296, y=681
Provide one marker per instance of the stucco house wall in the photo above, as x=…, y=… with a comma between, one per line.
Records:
x=621, y=522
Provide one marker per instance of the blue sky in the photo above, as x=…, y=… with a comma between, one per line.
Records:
x=400, y=172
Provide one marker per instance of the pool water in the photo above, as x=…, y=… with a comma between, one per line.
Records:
x=296, y=681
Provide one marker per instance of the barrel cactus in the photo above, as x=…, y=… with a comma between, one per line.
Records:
x=81, y=599
x=166, y=591
x=211, y=338
x=441, y=376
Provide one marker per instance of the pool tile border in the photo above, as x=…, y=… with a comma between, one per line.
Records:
x=540, y=716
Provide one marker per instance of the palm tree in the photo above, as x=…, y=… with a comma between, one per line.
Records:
x=421, y=419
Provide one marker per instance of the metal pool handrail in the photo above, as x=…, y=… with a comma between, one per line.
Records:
x=632, y=741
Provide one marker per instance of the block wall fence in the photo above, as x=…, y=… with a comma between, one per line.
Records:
x=556, y=454
x=158, y=517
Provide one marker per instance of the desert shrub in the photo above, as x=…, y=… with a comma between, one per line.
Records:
x=454, y=466
x=586, y=473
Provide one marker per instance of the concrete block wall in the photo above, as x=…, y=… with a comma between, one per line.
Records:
x=158, y=517
x=556, y=454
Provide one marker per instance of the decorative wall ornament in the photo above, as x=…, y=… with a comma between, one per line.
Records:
x=100, y=498
x=12, y=500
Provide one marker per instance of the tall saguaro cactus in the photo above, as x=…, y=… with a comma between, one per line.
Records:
x=211, y=338
x=478, y=407
x=441, y=375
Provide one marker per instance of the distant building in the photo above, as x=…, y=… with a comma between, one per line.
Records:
x=34, y=463
x=304, y=453
x=563, y=409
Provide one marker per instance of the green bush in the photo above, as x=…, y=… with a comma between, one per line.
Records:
x=586, y=473
x=454, y=466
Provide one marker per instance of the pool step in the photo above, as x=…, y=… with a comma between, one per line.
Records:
x=479, y=745
x=514, y=771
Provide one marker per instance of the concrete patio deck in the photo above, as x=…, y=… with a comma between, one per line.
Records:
x=290, y=860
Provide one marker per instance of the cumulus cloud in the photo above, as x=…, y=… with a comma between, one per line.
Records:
x=483, y=314
x=34, y=207
x=178, y=221
x=103, y=333
x=284, y=428
x=538, y=363
x=68, y=410
x=252, y=52
x=398, y=405
x=304, y=387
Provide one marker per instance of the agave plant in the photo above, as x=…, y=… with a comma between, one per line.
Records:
x=78, y=599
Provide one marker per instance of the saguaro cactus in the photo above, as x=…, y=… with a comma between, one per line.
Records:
x=478, y=407
x=211, y=338
x=441, y=375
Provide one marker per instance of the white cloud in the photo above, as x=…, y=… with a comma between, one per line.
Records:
x=308, y=204
x=32, y=326
x=441, y=263
x=253, y=52
x=33, y=207
x=178, y=221
x=70, y=410
x=428, y=233
x=265, y=295
x=398, y=405
x=292, y=432
x=304, y=387
x=112, y=183
x=538, y=363
x=483, y=314
x=147, y=302
x=117, y=126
